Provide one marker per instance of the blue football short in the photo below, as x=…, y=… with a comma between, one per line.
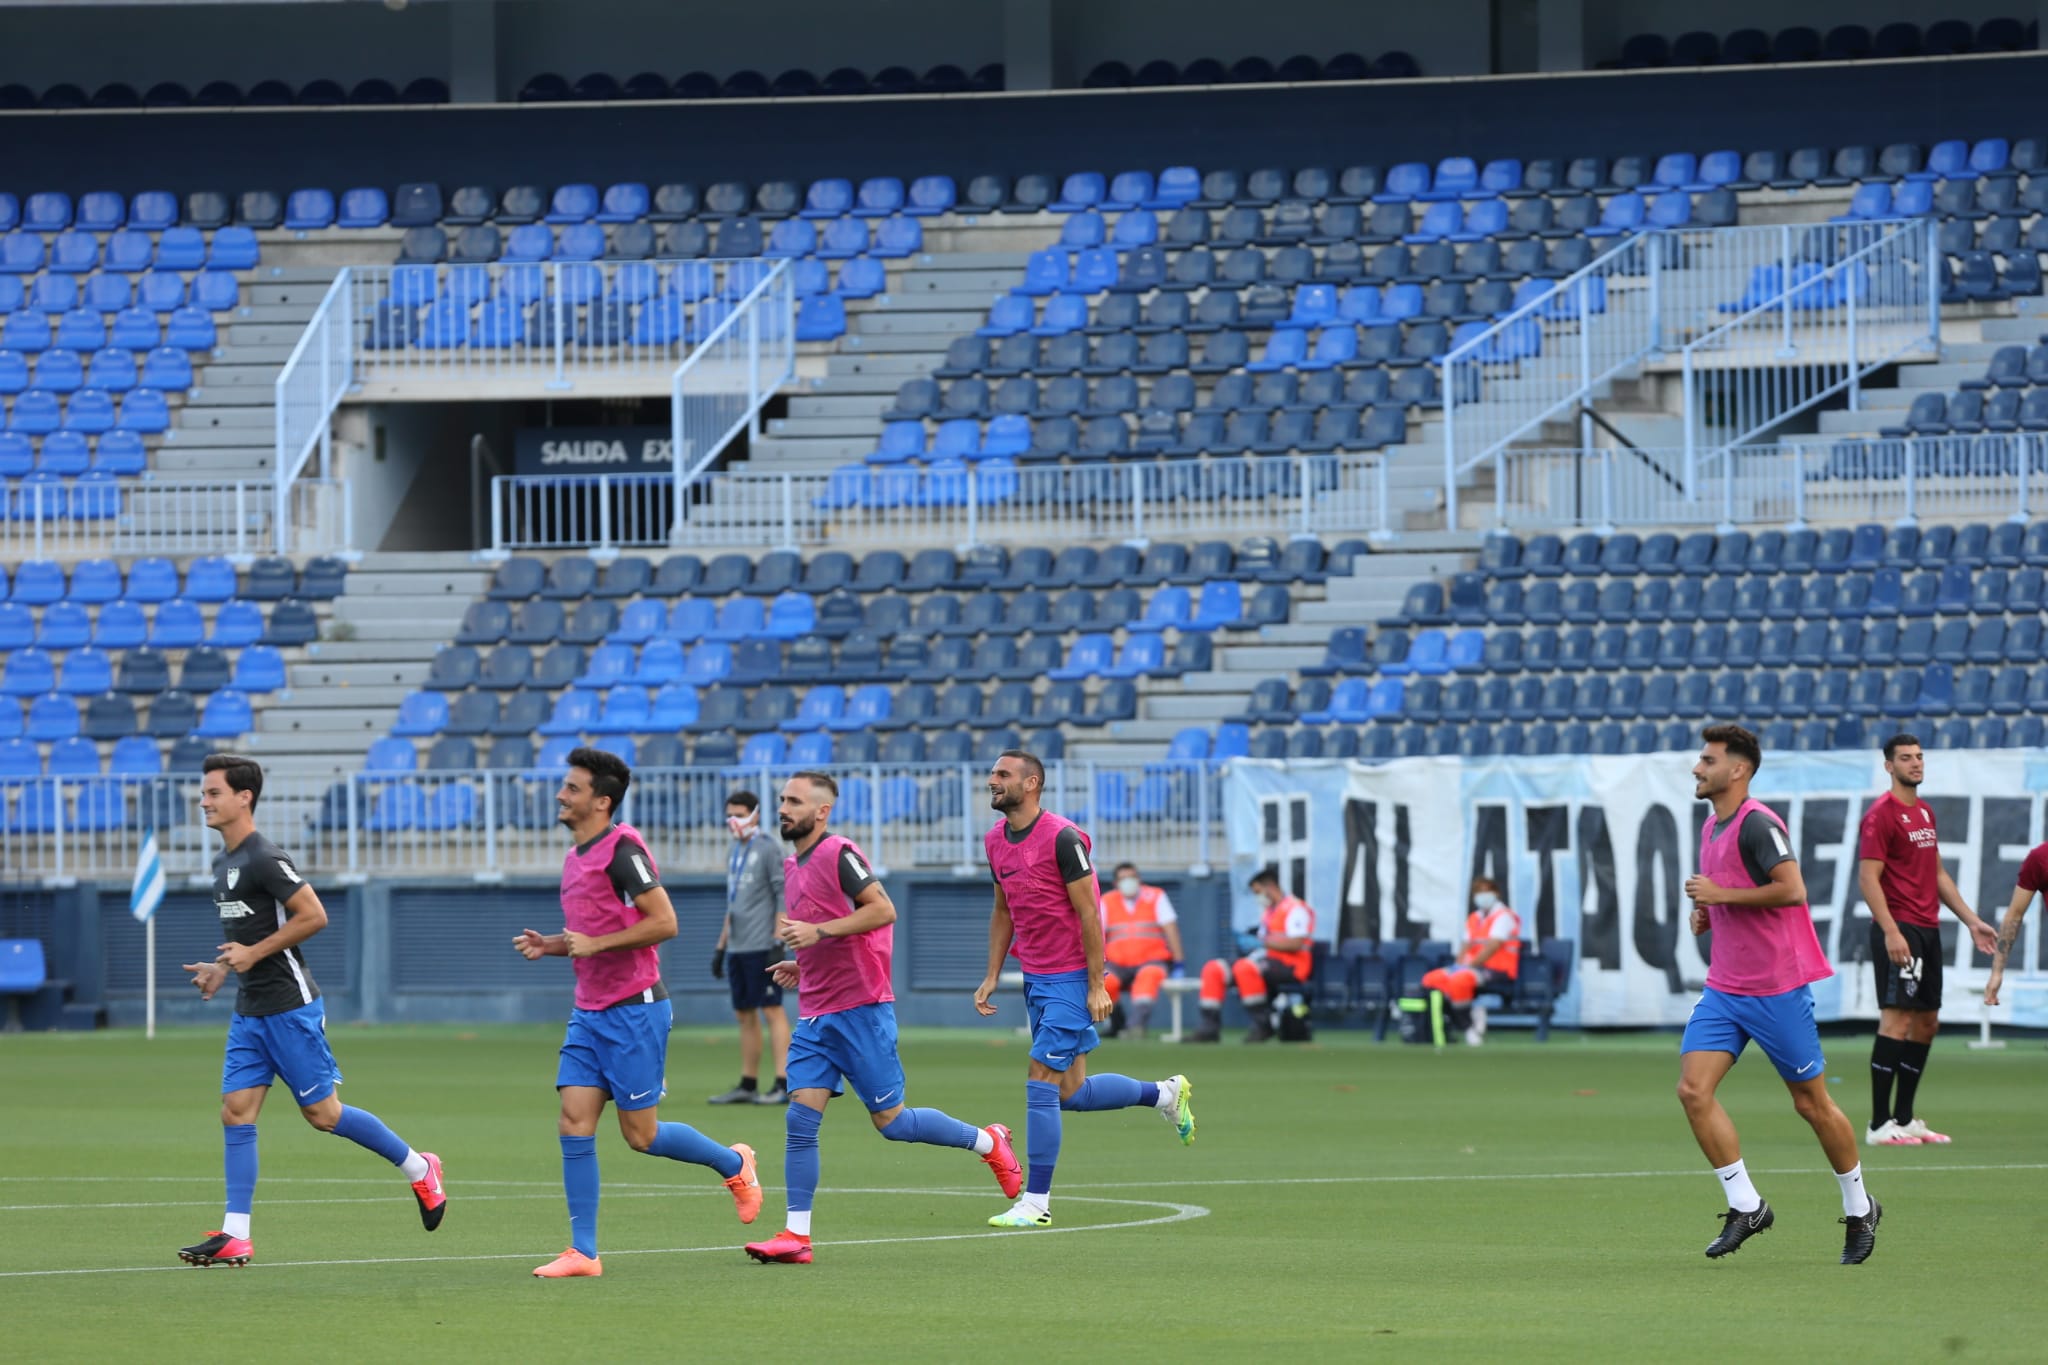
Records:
x=858, y=1044
x=1781, y=1025
x=622, y=1051
x=291, y=1045
x=1057, y=1007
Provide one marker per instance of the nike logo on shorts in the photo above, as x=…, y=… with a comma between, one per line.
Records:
x=883, y=1098
x=1055, y=1056
x=308, y=1090
x=641, y=1096
x=1808, y=1067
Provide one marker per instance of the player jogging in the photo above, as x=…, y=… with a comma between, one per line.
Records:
x=1905, y=886
x=1764, y=957
x=839, y=920
x=615, y=911
x=2033, y=879
x=1046, y=910
x=279, y=1027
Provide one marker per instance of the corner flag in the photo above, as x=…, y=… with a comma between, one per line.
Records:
x=148, y=891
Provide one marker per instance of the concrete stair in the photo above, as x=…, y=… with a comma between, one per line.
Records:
x=376, y=646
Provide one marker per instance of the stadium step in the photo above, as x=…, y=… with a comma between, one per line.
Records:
x=1172, y=711
x=896, y=368
x=375, y=578
x=328, y=673
x=380, y=614
x=241, y=418
x=1267, y=660
x=299, y=718
x=380, y=651
x=263, y=334
x=799, y=454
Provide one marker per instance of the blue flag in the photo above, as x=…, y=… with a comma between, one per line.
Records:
x=148, y=892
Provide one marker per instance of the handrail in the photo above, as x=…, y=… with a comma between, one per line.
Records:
x=1842, y=307
x=748, y=312
x=304, y=420
x=1599, y=324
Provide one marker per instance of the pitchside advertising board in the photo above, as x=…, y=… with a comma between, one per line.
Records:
x=1597, y=850
x=564, y=451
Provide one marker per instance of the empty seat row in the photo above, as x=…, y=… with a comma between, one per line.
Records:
x=110, y=715
x=113, y=290
x=1837, y=550
x=111, y=370
x=1843, y=43
x=129, y=250
x=210, y=578
x=68, y=454
x=991, y=566
x=176, y=624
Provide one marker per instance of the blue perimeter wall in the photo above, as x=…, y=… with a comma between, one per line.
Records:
x=419, y=953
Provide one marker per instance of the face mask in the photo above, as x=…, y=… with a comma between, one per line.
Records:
x=1128, y=888
x=1485, y=901
x=742, y=826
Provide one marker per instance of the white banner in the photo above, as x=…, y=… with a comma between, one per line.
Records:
x=1597, y=850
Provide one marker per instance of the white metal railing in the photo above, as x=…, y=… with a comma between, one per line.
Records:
x=555, y=326
x=1939, y=478
x=491, y=825
x=1767, y=321
x=153, y=516
x=721, y=385
x=1828, y=304
x=1543, y=358
x=1300, y=495
x=310, y=387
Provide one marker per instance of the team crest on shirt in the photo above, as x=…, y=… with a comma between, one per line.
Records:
x=234, y=875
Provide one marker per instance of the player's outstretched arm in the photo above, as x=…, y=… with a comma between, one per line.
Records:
x=657, y=924
x=872, y=910
x=1001, y=929
x=2008, y=939
x=304, y=916
x=533, y=945
x=1785, y=886
x=209, y=976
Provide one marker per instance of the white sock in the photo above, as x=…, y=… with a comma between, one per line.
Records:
x=983, y=1143
x=1037, y=1203
x=799, y=1222
x=1742, y=1196
x=237, y=1224
x=1855, y=1199
x=414, y=1165
x=1169, y=1095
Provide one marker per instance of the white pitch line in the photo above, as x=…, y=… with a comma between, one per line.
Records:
x=1179, y=1213
x=642, y=1190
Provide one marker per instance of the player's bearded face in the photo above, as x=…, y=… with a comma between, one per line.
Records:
x=1005, y=791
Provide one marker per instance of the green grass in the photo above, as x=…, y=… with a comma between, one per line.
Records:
x=1343, y=1201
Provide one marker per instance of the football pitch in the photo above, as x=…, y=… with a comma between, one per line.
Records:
x=1343, y=1201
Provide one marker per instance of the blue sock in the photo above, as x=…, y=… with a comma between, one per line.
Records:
x=1041, y=1134
x=681, y=1142
x=365, y=1129
x=1112, y=1092
x=240, y=1144
x=579, y=1183
x=800, y=1157
x=931, y=1126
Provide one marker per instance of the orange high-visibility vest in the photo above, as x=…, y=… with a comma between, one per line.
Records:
x=1506, y=959
x=1302, y=960
x=1131, y=934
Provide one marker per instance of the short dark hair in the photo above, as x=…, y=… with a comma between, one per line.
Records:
x=242, y=774
x=1901, y=740
x=1739, y=743
x=745, y=800
x=1118, y=870
x=1269, y=873
x=818, y=779
x=1032, y=767
x=609, y=775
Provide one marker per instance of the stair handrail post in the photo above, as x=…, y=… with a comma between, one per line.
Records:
x=1450, y=448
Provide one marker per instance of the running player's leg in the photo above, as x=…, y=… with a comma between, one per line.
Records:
x=580, y=1081
x=1714, y=1037
x=814, y=1078
x=1062, y=1035
x=875, y=1069
x=298, y=1042
x=633, y=1047
x=1785, y=1031
x=240, y=1102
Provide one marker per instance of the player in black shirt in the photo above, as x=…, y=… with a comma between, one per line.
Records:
x=279, y=1027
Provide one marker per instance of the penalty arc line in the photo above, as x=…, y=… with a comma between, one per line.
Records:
x=1178, y=1213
